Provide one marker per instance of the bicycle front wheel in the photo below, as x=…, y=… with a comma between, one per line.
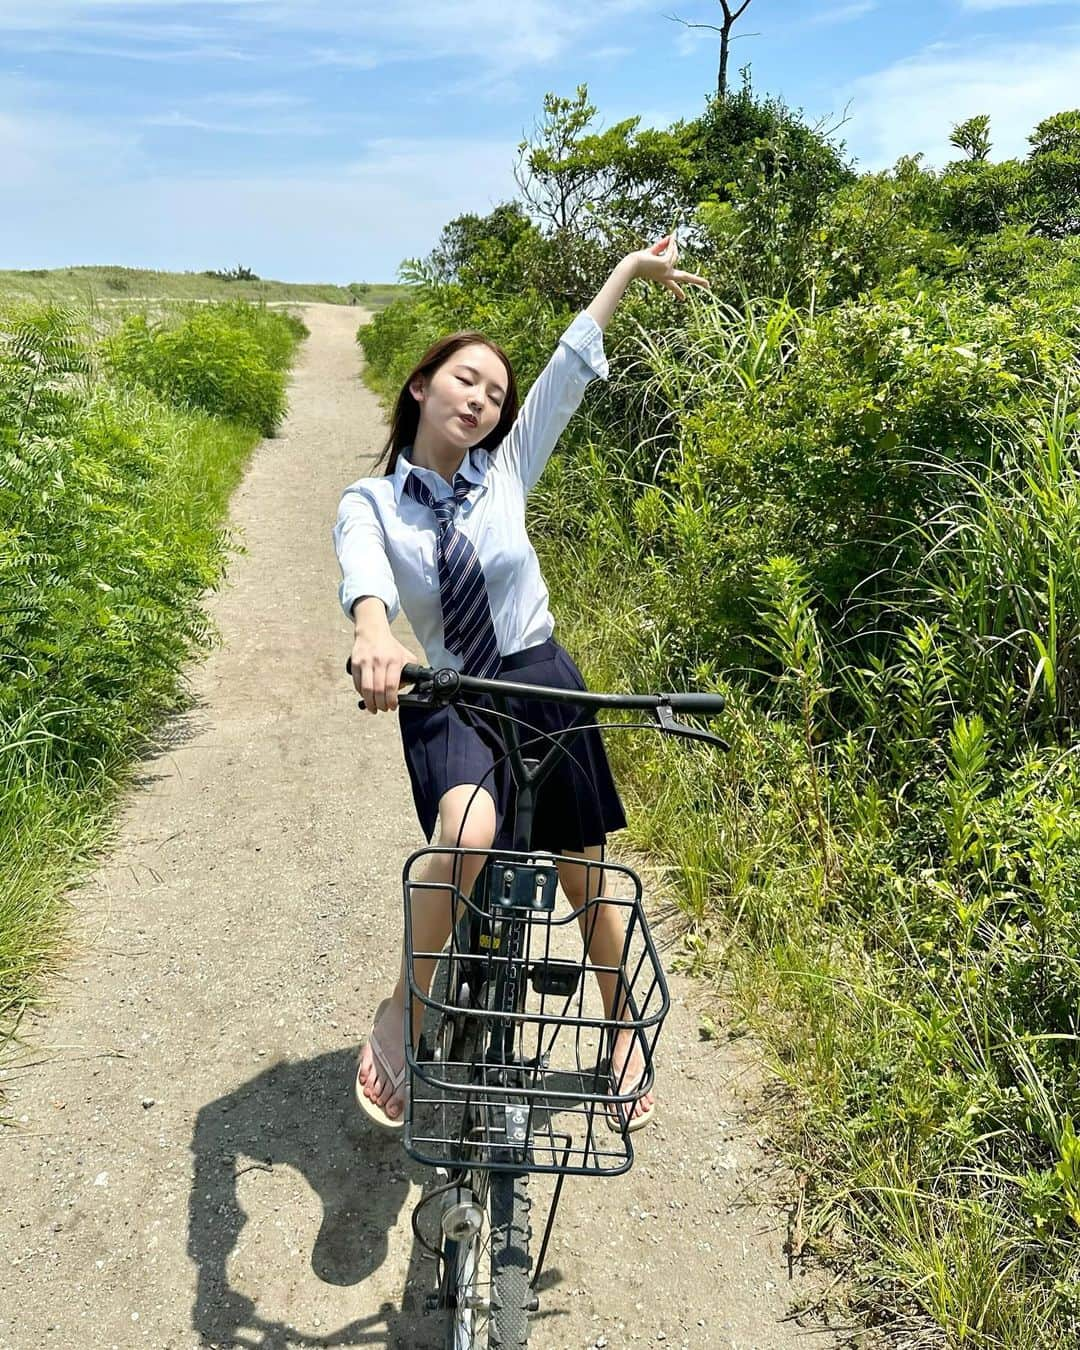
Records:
x=488, y=1275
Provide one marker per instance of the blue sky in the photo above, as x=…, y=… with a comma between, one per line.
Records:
x=329, y=139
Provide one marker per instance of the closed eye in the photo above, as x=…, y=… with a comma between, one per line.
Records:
x=476, y=376
x=496, y=401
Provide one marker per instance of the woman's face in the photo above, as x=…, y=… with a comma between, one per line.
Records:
x=464, y=396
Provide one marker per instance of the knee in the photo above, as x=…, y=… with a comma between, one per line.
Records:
x=467, y=834
x=464, y=869
x=465, y=820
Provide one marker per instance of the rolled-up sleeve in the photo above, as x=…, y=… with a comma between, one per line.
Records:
x=553, y=399
x=586, y=337
x=360, y=544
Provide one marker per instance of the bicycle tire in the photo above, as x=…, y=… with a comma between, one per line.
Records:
x=511, y=1232
x=489, y=1276
x=461, y=1327
x=461, y=1281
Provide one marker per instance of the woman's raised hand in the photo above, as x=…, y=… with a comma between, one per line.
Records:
x=657, y=263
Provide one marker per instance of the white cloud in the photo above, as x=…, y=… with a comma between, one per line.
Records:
x=266, y=98
x=275, y=126
x=50, y=13
x=189, y=55
x=481, y=33
x=914, y=104
x=354, y=60
x=160, y=30
x=843, y=13
x=267, y=112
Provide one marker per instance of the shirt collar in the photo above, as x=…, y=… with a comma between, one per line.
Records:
x=473, y=468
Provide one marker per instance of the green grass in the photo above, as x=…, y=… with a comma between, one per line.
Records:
x=882, y=878
x=112, y=503
x=908, y=960
x=941, y=1173
x=122, y=285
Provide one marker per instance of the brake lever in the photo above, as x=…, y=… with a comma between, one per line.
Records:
x=425, y=700
x=667, y=720
x=405, y=701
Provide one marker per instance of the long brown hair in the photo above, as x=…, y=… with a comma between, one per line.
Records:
x=406, y=414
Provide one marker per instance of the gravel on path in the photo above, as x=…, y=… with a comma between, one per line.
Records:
x=187, y=1167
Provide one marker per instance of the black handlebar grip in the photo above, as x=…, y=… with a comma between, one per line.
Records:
x=702, y=704
x=410, y=672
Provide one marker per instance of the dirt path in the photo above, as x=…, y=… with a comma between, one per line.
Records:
x=187, y=1168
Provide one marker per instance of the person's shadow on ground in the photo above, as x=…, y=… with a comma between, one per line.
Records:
x=302, y=1115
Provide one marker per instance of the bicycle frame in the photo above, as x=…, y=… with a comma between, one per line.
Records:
x=528, y=774
x=503, y=1075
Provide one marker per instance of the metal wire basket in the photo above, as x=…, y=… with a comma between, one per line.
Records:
x=513, y=1071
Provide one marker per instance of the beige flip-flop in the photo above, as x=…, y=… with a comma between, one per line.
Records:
x=371, y=1109
x=616, y=1117
x=616, y=1112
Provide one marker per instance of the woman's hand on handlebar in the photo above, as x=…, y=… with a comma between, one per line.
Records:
x=376, y=662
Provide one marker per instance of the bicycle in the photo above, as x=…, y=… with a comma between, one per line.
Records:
x=512, y=1073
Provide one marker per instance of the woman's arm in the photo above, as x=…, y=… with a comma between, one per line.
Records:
x=579, y=358
x=656, y=263
x=369, y=597
x=552, y=400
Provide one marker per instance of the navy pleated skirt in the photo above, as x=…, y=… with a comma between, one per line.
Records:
x=576, y=806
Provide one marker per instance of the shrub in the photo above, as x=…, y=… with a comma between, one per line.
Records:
x=229, y=360
x=234, y=274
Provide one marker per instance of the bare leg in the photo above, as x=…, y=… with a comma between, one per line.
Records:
x=432, y=918
x=604, y=933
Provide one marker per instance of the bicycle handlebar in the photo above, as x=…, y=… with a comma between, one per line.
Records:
x=447, y=682
x=443, y=686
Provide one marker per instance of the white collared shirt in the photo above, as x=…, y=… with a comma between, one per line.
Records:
x=385, y=539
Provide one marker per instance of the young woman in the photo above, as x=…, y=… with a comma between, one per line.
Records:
x=441, y=534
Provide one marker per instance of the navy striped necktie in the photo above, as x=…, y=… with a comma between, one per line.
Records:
x=468, y=629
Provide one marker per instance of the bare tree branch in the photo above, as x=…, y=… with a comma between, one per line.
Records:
x=731, y=17
x=821, y=129
x=712, y=26
x=687, y=24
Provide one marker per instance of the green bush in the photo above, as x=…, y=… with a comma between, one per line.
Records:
x=229, y=360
